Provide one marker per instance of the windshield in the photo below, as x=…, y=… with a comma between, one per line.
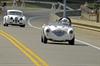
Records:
x=15, y=13
x=65, y=21
x=60, y=23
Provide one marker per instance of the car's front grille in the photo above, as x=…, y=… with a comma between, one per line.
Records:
x=59, y=32
x=16, y=19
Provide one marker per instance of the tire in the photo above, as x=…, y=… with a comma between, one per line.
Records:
x=5, y=24
x=22, y=25
x=72, y=42
x=43, y=39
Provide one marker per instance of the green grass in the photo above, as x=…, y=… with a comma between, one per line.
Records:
x=32, y=5
x=37, y=5
x=93, y=5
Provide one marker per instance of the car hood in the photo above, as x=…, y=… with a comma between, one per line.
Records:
x=55, y=27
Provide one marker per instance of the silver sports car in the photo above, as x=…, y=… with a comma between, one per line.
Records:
x=14, y=17
x=60, y=31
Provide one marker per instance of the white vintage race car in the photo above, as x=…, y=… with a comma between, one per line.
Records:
x=14, y=17
x=60, y=31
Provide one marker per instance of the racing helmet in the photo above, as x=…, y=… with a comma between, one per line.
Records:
x=64, y=20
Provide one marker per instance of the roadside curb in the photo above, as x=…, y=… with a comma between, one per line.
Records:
x=90, y=26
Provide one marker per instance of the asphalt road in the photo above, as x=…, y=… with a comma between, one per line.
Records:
x=85, y=52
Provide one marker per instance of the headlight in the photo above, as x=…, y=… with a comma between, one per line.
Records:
x=48, y=30
x=11, y=18
x=21, y=18
x=71, y=32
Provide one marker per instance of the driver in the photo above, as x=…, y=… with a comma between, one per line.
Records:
x=64, y=20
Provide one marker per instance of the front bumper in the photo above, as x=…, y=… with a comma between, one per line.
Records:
x=14, y=22
x=60, y=38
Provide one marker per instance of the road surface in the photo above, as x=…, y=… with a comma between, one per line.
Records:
x=22, y=46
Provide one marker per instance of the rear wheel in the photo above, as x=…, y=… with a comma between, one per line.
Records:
x=72, y=42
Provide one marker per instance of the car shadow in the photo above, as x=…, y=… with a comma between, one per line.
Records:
x=65, y=43
x=57, y=43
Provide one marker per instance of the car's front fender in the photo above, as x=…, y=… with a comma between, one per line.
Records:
x=5, y=19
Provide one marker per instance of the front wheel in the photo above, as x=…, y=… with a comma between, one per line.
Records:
x=72, y=42
x=22, y=25
x=5, y=24
x=43, y=39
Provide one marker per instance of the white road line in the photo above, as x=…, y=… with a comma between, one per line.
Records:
x=75, y=39
x=31, y=24
x=88, y=44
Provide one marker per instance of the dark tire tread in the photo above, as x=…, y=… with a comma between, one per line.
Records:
x=72, y=42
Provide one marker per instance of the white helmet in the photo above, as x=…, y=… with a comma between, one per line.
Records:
x=64, y=20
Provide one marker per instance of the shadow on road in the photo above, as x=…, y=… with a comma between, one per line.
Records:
x=60, y=43
x=57, y=43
